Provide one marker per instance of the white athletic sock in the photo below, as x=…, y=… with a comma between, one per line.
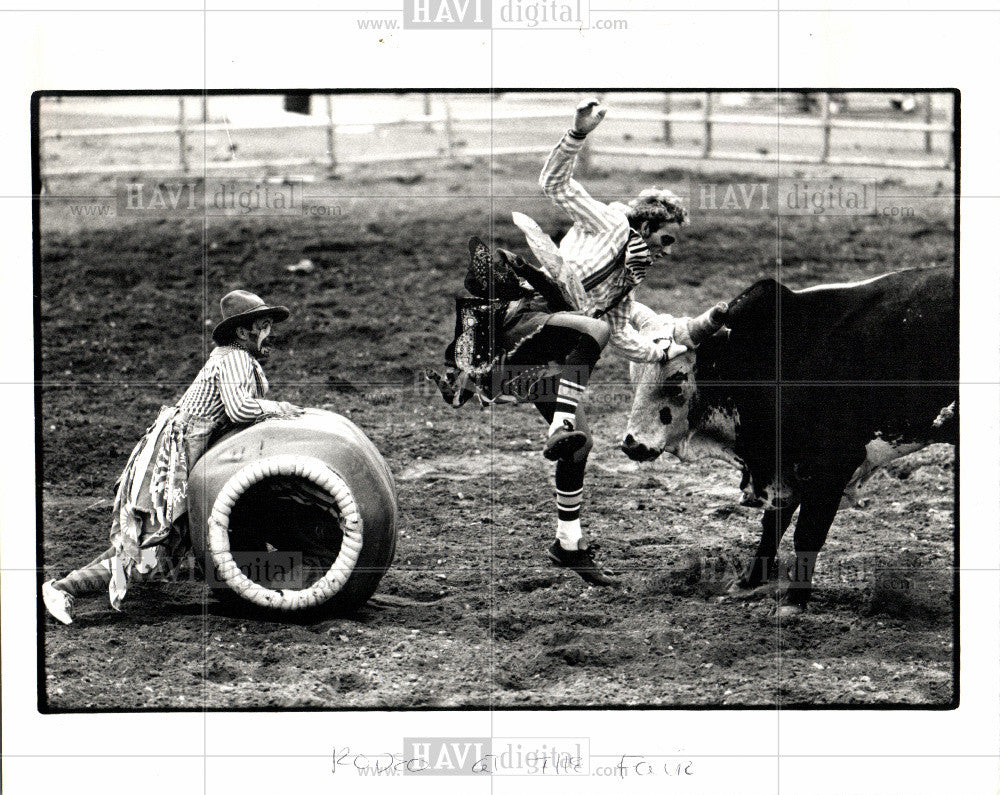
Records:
x=569, y=534
x=568, y=396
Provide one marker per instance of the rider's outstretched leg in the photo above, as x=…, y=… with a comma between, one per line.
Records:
x=570, y=549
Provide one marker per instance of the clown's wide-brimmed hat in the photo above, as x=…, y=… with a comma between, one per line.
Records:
x=242, y=308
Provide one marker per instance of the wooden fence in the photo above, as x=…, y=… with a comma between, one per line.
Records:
x=708, y=119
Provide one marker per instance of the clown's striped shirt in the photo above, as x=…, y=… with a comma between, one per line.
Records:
x=608, y=256
x=229, y=387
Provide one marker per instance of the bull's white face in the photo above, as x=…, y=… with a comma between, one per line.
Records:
x=660, y=417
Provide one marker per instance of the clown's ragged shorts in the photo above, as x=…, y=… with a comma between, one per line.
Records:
x=146, y=532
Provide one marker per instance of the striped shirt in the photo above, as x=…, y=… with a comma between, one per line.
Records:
x=608, y=256
x=228, y=388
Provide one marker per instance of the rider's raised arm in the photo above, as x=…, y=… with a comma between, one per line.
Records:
x=624, y=336
x=556, y=182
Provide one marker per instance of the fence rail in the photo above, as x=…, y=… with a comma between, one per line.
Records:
x=708, y=119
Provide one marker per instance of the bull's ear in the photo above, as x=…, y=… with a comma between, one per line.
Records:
x=757, y=306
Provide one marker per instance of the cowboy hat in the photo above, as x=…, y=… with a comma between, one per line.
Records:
x=242, y=308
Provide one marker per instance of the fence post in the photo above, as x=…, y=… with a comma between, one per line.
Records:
x=449, y=132
x=928, y=119
x=707, y=149
x=824, y=110
x=668, y=131
x=331, y=130
x=428, y=128
x=182, y=134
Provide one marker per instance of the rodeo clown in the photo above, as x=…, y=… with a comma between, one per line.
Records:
x=534, y=333
x=148, y=525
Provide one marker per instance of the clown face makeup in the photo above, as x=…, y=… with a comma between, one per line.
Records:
x=657, y=241
x=252, y=339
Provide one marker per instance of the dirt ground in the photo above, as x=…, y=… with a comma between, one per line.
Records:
x=470, y=614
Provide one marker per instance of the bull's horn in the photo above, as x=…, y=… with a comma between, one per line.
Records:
x=707, y=323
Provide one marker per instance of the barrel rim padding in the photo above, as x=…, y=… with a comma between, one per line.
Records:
x=351, y=524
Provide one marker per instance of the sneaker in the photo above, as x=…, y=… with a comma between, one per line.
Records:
x=582, y=562
x=565, y=442
x=58, y=602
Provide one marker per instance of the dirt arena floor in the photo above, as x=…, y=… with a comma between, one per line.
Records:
x=471, y=614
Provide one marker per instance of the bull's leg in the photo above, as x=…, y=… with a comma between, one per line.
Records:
x=764, y=566
x=818, y=511
x=748, y=498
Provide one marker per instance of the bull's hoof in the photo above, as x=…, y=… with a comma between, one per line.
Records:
x=792, y=604
x=741, y=589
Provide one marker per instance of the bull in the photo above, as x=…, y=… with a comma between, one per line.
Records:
x=807, y=391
